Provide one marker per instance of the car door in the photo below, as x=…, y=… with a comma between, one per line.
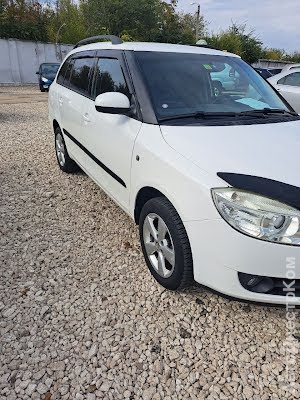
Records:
x=109, y=138
x=62, y=81
x=73, y=98
x=289, y=87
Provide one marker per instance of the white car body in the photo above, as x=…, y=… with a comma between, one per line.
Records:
x=290, y=67
x=290, y=91
x=182, y=163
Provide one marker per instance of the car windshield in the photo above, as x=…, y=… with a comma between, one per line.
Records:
x=49, y=70
x=184, y=84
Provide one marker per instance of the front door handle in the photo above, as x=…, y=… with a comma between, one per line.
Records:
x=86, y=118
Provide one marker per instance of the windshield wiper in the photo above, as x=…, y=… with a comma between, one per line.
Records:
x=199, y=115
x=267, y=111
x=263, y=113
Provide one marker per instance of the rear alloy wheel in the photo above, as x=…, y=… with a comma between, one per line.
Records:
x=165, y=244
x=65, y=163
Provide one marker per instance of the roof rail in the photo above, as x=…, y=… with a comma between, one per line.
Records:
x=114, y=40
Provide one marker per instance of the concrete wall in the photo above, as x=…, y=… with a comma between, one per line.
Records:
x=20, y=59
x=271, y=64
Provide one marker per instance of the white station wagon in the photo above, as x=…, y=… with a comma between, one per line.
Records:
x=210, y=172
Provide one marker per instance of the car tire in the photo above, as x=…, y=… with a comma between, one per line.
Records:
x=42, y=89
x=165, y=244
x=65, y=163
x=218, y=88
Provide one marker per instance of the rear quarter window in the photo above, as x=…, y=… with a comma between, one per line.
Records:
x=64, y=73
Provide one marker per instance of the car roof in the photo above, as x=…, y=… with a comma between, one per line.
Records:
x=152, y=47
x=283, y=74
x=289, y=67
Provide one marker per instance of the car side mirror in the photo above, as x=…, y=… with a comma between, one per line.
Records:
x=112, y=103
x=37, y=73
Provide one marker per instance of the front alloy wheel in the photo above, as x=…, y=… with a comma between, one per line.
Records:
x=159, y=245
x=165, y=244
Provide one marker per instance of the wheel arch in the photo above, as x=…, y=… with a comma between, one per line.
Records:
x=145, y=194
x=55, y=125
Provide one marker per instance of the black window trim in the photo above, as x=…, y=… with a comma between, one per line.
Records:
x=148, y=115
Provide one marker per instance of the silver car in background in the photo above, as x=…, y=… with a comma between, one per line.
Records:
x=288, y=84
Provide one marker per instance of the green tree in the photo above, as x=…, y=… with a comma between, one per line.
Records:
x=239, y=40
x=294, y=57
x=23, y=19
x=145, y=20
x=188, y=27
x=273, y=54
x=136, y=19
x=68, y=15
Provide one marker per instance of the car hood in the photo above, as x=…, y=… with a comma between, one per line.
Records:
x=49, y=77
x=266, y=150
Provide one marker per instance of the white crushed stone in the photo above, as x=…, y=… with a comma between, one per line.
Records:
x=80, y=316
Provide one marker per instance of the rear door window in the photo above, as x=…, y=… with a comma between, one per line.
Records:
x=79, y=79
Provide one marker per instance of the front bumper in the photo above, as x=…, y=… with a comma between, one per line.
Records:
x=220, y=253
x=46, y=85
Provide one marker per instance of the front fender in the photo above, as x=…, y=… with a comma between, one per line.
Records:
x=155, y=164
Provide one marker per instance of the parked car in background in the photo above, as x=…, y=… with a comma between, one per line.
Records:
x=203, y=172
x=265, y=73
x=224, y=77
x=290, y=67
x=268, y=72
x=275, y=71
x=288, y=84
x=46, y=75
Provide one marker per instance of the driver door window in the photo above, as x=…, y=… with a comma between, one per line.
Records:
x=109, y=77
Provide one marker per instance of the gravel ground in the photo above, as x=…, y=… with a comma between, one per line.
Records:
x=81, y=317
x=19, y=89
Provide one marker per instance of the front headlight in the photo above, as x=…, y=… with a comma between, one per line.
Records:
x=44, y=79
x=258, y=216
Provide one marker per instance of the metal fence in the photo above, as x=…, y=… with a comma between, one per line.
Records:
x=20, y=59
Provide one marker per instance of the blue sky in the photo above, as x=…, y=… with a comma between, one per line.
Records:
x=276, y=22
